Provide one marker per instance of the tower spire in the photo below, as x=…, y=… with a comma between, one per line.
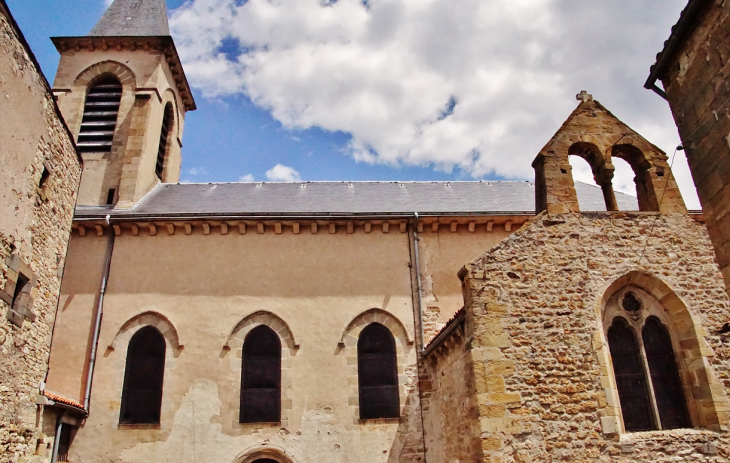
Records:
x=130, y=18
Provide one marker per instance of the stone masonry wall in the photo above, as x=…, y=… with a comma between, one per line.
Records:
x=32, y=240
x=697, y=83
x=451, y=418
x=543, y=374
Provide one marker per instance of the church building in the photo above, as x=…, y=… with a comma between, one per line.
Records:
x=369, y=322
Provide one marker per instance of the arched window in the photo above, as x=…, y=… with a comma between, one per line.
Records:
x=143, y=376
x=644, y=365
x=100, y=116
x=163, y=147
x=377, y=373
x=261, y=377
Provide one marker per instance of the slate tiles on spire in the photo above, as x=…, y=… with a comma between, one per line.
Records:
x=133, y=18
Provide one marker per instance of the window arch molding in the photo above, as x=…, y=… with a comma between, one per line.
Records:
x=351, y=333
x=261, y=317
x=149, y=318
x=691, y=350
x=266, y=451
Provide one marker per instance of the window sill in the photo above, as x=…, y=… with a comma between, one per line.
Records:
x=379, y=420
x=138, y=426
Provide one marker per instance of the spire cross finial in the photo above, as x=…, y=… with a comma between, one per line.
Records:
x=584, y=96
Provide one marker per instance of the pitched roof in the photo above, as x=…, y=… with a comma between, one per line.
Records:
x=348, y=198
x=127, y=18
x=685, y=24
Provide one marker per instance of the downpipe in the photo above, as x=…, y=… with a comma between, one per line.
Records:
x=99, y=315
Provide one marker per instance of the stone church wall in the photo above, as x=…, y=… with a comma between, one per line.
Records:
x=39, y=175
x=543, y=373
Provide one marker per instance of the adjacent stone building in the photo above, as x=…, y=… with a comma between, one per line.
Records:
x=694, y=70
x=39, y=177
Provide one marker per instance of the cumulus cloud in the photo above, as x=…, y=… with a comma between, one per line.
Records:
x=476, y=85
x=282, y=173
x=196, y=170
x=246, y=178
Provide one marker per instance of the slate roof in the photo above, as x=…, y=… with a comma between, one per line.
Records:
x=683, y=26
x=348, y=199
x=133, y=18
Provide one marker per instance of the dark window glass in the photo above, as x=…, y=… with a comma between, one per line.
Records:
x=630, y=379
x=261, y=377
x=164, y=141
x=664, y=375
x=377, y=372
x=100, y=116
x=143, y=375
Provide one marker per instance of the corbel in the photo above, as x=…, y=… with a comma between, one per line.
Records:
x=206, y=228
x=420, y=227
x=314, y=228
x=117, y=230
x=224, y=228
x=350, y=227
x=435, y=227
x=277, y=228
x=153, y=229
x=99, y=230
x=241, y=228
x=188, y=228
x=403, y=227
x=333, y=228
x=82, y=230
x=454, y=226
x=472, y=227
x=295, y=228
x=260, y=228
x=386, y=227
x=170, y=228
x=490, y=226
x=508, y=225
x=135, y=229
x=368, y=227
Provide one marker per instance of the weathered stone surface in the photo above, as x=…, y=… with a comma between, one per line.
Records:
x=697, y=84
x=557, y=402
x=34, y=232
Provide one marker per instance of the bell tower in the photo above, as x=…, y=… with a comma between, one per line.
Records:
x=124, y=95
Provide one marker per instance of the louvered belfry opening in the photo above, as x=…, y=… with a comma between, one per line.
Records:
x=100, y=116
x=143, y=378
x=261, y=377
x=162, y=149
x=377, y=372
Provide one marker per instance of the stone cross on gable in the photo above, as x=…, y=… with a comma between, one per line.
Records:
x=584, y=96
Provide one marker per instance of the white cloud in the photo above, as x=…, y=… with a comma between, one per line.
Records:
x=246, y=178
x=282, y=173
x=195, y=170
x=476, y=85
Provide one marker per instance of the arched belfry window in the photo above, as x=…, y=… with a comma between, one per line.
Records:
x=644, y=363
x=164, y=145
x=143, y=377
x=261, y=377
x=100, y=116
x=377, y=373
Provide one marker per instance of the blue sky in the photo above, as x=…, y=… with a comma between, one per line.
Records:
x=394, y=89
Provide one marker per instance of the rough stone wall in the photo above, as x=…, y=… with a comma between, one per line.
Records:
x=697, y=83
x=542, y=371
x=451, y=417
x=33, y=238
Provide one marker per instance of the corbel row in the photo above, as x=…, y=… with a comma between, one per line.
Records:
x=241, y=227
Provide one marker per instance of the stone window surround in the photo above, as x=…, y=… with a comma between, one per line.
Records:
x=267, y=450
x=18, y=311
x=120, y=344
x=348, y=345
x=174, y=131
x=289, y=348
x=703, y=400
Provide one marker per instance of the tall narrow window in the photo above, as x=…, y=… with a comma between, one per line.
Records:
x=630, y=380
x=162, y=148
x=143, y=376
x=664, y=375
x=644, y=365
x=261, y=377
x=100, y=116
x=377, y=371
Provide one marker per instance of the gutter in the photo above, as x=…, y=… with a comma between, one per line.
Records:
x=324, y=216
x=418, y=277
x=683, y=26
x=97, y=323
x=57, y=439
